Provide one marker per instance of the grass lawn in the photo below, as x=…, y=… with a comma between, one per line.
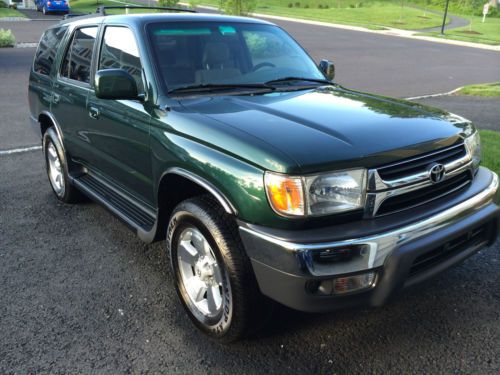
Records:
x=490, y=141
x=486, y=33
x=7, y=12
x=371, y=14
x=484, y=89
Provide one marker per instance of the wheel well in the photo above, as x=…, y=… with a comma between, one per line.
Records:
x=45, y=123
x=174, y=189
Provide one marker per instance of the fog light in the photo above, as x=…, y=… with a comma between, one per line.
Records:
x=342, y=285
x=350, y=284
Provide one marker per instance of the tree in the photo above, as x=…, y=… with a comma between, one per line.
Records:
x=167, y=3
x=426, y=5
x=238, y=7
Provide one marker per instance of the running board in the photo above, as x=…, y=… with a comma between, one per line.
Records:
x=131, y=213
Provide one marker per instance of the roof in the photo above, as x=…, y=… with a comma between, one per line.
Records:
x=143, y=18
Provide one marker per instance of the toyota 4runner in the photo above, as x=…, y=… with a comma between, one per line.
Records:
x=267, y=180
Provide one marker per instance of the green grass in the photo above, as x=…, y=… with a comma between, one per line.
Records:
x=7, y=12
x=371, y=14
x=484, y=89
x=490, y=141
x=486, y=33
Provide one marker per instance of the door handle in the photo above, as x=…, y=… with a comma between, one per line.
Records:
x=55, y=98
x=94, y=112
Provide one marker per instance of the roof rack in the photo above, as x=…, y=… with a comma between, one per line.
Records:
x=102, y=9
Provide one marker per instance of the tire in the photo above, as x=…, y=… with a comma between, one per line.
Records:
x=238, y=308
x=57, y=169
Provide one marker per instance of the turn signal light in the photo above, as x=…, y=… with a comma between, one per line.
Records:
x=285, y=194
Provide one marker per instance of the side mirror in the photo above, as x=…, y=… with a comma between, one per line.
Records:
x=328, y=68
x=115, y=84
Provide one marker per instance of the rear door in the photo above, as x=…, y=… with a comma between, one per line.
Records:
x=71, y=89
x=40, y=88
x=119, y=129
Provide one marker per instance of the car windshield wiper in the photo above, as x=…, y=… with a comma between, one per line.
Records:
x=294, y=79
x=221, y=86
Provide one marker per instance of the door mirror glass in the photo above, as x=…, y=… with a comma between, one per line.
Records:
x=328, y=68
x=115, y=84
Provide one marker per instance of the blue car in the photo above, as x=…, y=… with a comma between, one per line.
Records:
x=49, y=6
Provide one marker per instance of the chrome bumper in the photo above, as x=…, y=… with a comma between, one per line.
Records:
x=296, y=258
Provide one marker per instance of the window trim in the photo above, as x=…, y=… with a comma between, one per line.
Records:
x=101, y=43
x=69, y=43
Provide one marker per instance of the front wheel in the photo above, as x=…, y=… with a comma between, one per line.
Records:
x=213, y=275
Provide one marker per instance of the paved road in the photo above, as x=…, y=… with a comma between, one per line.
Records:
x=484, y=112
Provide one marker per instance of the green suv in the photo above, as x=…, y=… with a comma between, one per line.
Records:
x=267, y=181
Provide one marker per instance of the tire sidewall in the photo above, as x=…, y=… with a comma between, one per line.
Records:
x=220, y=325
x=50, y=136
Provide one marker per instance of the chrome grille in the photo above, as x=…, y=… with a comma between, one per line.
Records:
x=406, y=184
x=418, y=165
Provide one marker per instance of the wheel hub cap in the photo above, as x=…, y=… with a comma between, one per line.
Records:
x=56, y=174
x=200, y=272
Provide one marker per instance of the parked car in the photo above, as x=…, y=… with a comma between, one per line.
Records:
x=267, y=180
x=52, y=6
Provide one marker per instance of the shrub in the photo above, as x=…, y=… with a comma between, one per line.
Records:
x=306, y=6
x=7, y=38
x=297, y=5
x=326, y=6
x=320, y=6
x=290, y=5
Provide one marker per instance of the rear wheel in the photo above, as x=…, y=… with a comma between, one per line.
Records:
x=213, y=275
x=57, y=168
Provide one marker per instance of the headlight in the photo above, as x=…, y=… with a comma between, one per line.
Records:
x=473, y=144
x=316, y=195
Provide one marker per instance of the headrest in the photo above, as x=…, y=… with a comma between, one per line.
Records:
x=216, y=53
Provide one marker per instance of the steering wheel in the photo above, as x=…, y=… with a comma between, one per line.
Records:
x=263, y=65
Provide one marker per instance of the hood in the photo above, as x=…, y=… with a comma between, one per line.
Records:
x=331, y=128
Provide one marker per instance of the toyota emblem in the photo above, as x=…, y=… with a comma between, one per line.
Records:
x=437, y=173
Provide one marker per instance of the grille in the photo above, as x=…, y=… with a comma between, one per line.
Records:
x=424, y=195
x=476, y=237
x=420, y=164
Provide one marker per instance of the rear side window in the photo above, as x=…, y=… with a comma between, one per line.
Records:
x=119, y=51
x=78, y=58
x=47, y=49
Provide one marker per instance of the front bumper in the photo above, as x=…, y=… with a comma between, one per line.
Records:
x=285, y=264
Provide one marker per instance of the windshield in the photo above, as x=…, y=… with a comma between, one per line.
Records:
x=190, y=54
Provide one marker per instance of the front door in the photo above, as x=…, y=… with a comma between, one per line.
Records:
x=119, y=129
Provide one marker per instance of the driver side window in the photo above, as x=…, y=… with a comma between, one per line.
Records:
x=119, y=51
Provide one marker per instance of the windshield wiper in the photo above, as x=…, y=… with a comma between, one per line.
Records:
x=294, y=79
x=221, y=86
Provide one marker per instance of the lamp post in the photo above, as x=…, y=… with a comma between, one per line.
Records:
x=445, y=15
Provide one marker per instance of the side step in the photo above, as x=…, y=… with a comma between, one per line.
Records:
x=132, y=213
